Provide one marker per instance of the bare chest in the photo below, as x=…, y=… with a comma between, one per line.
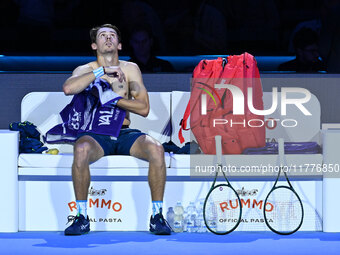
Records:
x=121, y=88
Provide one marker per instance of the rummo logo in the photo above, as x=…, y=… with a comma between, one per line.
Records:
x=106, y=209
x=239, y=106
x=230, y=205
x=99, y=203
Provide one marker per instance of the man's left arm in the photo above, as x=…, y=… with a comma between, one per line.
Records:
x=140, y=102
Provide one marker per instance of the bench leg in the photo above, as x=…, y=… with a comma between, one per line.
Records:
x=9, y=206
x=331, y=181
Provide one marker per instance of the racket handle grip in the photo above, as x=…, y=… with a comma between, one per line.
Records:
x=218, y=143
x=281, y=150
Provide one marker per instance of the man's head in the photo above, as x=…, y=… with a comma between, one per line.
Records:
x=105, y=38
x=141, y=41
x=306, y=45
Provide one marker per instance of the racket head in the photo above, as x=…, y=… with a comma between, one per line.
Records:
x=222, y=210
x=283, y=210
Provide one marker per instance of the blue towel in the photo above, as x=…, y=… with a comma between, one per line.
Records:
x=29, y=137
x=92, y=110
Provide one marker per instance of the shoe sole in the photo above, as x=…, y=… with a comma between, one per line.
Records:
x=161, y=233
x=77, y=234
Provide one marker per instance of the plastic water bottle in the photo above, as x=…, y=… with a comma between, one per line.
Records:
x=185, y=219
x=212, y=217
x=187, y=222
x=194, y=218
x=191, y=218
x=178, y=219
x=201, y=228
x=170, y=216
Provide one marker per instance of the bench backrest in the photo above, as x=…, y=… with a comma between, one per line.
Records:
x=42, y=109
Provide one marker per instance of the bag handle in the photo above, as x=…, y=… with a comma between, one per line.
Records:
x=183, y=123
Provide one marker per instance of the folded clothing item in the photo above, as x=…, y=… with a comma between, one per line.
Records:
x=29, y=137
x=189, y=148
x=289, y=147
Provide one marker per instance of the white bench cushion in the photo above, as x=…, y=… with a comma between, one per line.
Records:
x=42, y=109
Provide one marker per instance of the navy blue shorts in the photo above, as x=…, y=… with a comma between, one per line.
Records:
x=120, y=146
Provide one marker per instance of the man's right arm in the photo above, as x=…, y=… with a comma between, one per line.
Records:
x=81, y=78
x=83, y=75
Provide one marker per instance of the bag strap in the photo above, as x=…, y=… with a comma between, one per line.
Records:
x=183, y=123
x=186, y=115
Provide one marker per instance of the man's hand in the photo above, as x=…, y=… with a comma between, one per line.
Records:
x=116, y=72
x=114, y=82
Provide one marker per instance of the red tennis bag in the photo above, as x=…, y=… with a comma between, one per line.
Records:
x=211, y=107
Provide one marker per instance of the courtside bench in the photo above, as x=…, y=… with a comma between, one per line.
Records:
x=119, y=196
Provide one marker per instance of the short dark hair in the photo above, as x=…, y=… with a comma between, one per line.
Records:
x=94, y=31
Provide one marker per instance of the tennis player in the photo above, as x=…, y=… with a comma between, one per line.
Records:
x=126, y=80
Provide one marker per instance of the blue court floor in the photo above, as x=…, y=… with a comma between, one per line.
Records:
x=178, y=243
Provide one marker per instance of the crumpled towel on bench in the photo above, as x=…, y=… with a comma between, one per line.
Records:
x=289, y=148
x=92, y=110
x=29, y=141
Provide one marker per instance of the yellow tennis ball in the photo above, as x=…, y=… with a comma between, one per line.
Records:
x=53, y=151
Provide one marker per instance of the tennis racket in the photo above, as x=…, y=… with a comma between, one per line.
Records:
x=283, y=210
x=222, y=206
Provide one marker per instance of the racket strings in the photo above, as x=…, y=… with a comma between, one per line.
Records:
x=252, y=214
x=283, y=210
x=222, y=210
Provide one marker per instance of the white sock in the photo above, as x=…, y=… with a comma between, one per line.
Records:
x=82, y=207
x=156, y=207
